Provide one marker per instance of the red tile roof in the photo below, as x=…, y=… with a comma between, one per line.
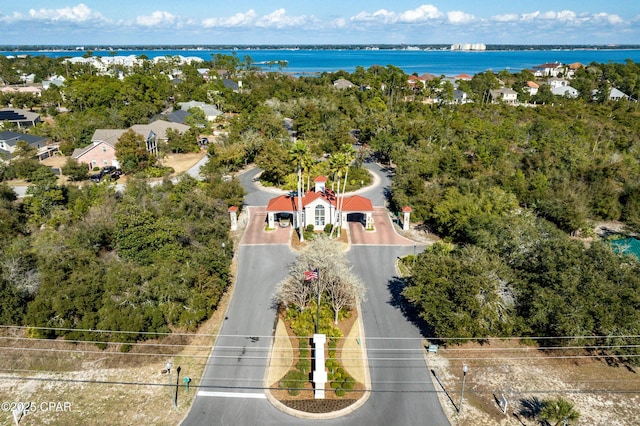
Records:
x=283, y=203
x=287, y=203
x=356, y=203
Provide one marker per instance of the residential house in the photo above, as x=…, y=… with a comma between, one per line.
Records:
x=159, y=128
x=178, y=116
x=32, y=90
x=343, y=83
x=617, y=95
x=532, y=87
x=9, y=141
x=20, y=117
x=460, y=97
x=54, y=80
x=505, y=95
x=555, y=82
x=210, y=111
x=572, y=68
x=565, y=91
x=320, y=208
x=614, y=95
x=28, y=78
x=102, y=150
x=464, y=77
x=235, y=86
x=552, y=69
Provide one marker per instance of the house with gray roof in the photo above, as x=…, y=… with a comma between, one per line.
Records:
x=343, y=83
x=9, y=141
x=20, y=117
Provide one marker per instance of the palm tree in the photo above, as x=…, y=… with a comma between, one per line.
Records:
x=297, y=154
x=339, y=164
x=559, y=410
x=348, y=154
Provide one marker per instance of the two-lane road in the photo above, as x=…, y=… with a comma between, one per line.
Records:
x=231, y=391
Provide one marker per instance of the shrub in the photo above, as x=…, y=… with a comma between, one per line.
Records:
x=349, y=383
x=340, y=392
x=293, y=381
x=304, y=365
x=332, y=365
x=328, y=228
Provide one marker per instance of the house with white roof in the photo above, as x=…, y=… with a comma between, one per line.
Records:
x=565, y=91
x=210, y=111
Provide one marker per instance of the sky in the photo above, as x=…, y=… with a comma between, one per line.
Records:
x=298, y=22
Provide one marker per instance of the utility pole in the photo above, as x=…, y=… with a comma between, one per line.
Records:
x=175, y=400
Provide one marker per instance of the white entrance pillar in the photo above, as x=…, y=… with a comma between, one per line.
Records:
x=233, y=214
x=406, y=210
x=319, y=373
x=369, y=221
x=271, y=220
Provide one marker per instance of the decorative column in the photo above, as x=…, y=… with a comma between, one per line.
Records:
x=233, y=213
x=369, y=221
x=319, y=373
x=271, y=220
x=406, y=210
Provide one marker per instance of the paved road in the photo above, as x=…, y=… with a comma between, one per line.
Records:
x=403, y=393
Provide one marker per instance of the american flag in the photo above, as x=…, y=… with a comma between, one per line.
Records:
x=311, y=275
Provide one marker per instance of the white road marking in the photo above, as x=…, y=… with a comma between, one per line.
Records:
x=232, y=395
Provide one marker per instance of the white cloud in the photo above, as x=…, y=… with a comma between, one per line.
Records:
x=421, y=14
x=238, y=20
x=610, y=18
x=279, y=19
x=79, y=13
x=459, y=17
x=156, y=18
x=566, y=15
x=509, y=17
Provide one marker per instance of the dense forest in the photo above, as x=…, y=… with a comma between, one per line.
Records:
x=514, y=191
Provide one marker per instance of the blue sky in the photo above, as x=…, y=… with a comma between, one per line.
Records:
x=202, y=22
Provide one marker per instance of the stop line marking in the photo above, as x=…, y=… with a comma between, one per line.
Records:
x=233, y=395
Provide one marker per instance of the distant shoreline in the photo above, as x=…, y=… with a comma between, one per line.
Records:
x=409, y=47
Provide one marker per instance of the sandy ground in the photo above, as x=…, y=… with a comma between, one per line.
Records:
x=602, y=394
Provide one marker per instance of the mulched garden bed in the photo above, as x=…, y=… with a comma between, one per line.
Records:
x=318, y=405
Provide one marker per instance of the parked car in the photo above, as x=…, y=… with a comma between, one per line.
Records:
x=96, y=177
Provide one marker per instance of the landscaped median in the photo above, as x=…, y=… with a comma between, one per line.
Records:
x=351, y=356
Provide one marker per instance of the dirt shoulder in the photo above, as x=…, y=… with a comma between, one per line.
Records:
x=604, y=393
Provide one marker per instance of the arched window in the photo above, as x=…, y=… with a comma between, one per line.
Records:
x=319, y=221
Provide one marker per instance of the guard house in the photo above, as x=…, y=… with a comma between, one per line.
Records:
x=319, y=208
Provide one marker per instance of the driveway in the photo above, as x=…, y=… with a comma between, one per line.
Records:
x=383, y=234
x=256, y=233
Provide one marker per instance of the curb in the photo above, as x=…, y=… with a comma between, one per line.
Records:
x=334, y=414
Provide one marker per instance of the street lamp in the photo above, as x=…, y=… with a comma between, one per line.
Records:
x=464, y=377
x=224, y=252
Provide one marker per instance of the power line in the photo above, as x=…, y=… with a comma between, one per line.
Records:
x=372, y=390
x=434, y=338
